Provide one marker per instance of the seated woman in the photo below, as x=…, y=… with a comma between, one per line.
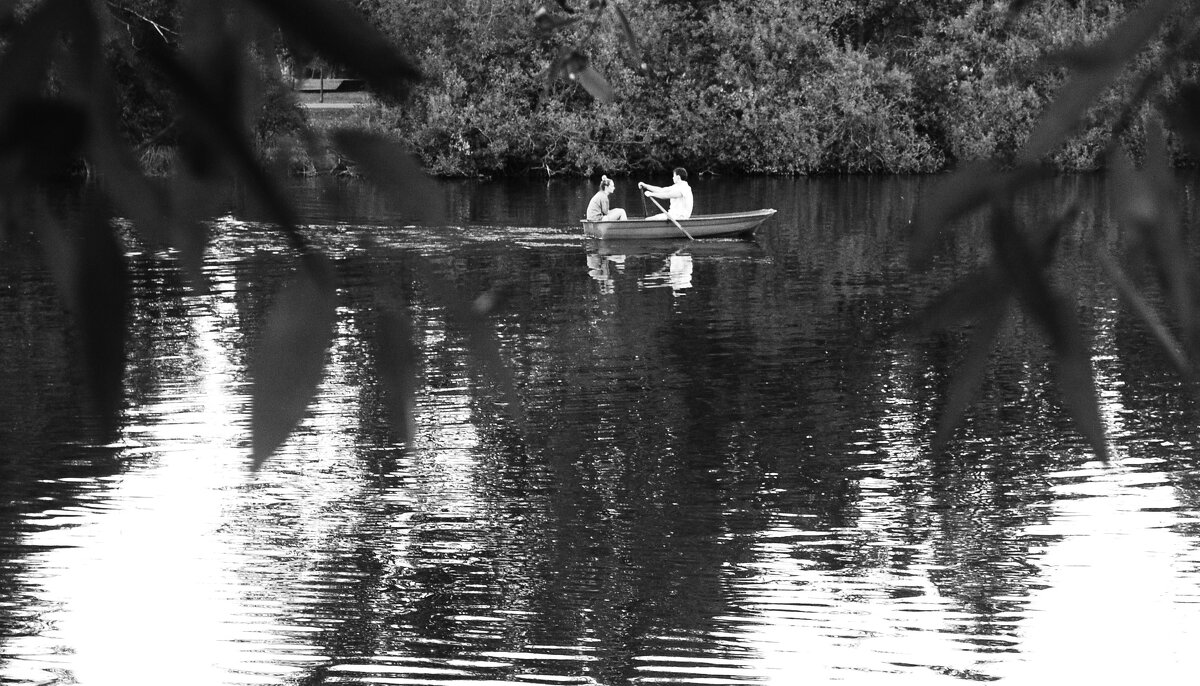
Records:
x=598, y=208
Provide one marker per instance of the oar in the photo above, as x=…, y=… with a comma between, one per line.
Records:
x=660, y=209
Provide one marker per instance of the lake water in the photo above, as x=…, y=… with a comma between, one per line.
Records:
x=723, y=474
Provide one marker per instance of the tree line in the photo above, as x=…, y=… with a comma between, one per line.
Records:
x=721, y=86
x=740, y=86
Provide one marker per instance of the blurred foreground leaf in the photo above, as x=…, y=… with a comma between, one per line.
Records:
x=89, y=267
x=1024, y=265
x=290, y=357
x=103, y=293
x=1018, y=273
x=968, y=378
x=1144, y=311
x=1097, y=67
x=594, y=83
x=547, y=22
x=398, y=368
x=468, y=317
x=344, y=37
x=395, y=170
x=962, y=193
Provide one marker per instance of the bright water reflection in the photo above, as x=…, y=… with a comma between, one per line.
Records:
x=722, y=479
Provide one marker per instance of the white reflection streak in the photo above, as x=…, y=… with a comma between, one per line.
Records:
x=139, y=586
x=821, y=625
x=848, y=626
x=1119, y=605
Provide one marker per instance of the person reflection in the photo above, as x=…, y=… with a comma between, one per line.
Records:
x=600, y=268
x=675, y=273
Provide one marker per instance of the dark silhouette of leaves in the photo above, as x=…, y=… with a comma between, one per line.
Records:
x=547, y=22
x=960, y=303
x=45, y=136
x=1096, y=68
x=27, y=54
x=969, y=376
x=473, y=321
x=1182, y=116
x=1018, y=274
x=631, y=38
x=594, y=83
x=89, y=268
x=964, y=192
x=1145, y=205
x=102, y=297
x=1024, y=268
x=228, y=137
x=343, y=36
x=1142, y=308
x=394, y=168
x=290, y=357
x=398, y=367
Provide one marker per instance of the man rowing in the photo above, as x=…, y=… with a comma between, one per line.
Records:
x=679, y=193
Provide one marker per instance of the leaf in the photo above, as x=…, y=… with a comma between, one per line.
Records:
x=952, y=198
x=961, y=302
x=1025, y=270
x=1075, y=378
x=60, y=251
x=1168, y=234
x=1017, y=6
x=466, y=315
x=571, y=61
x=192, y=204
x=1143, y=203
x=398, y=365
x=969, y=376
x=27, y=54
x=212, y=49
x=594, y=83
x=226, y=136
x=547, y=22
x=102, y=294
x=45, y=135
x=1182, y=114
x=114, y=165
x=627, y=30
x=393, y=168
x=1145, y=311
x=89, y=268
x=1099, y=66
x=342, y=35
x=290, y=357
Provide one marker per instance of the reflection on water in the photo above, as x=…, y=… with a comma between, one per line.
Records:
x=723, y=477
x=673, y=271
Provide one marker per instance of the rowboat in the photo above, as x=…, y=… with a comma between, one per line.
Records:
x=739, y=224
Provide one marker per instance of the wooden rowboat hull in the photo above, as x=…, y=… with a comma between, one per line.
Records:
x=739, y=224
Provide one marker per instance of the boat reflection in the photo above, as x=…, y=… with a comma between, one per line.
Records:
x=659, y=263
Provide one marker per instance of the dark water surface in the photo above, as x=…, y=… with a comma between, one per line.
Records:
x=723, y=475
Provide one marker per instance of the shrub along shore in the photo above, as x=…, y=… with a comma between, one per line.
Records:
x=731, y=87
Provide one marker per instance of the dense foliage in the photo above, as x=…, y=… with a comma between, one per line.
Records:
x=737, y=86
